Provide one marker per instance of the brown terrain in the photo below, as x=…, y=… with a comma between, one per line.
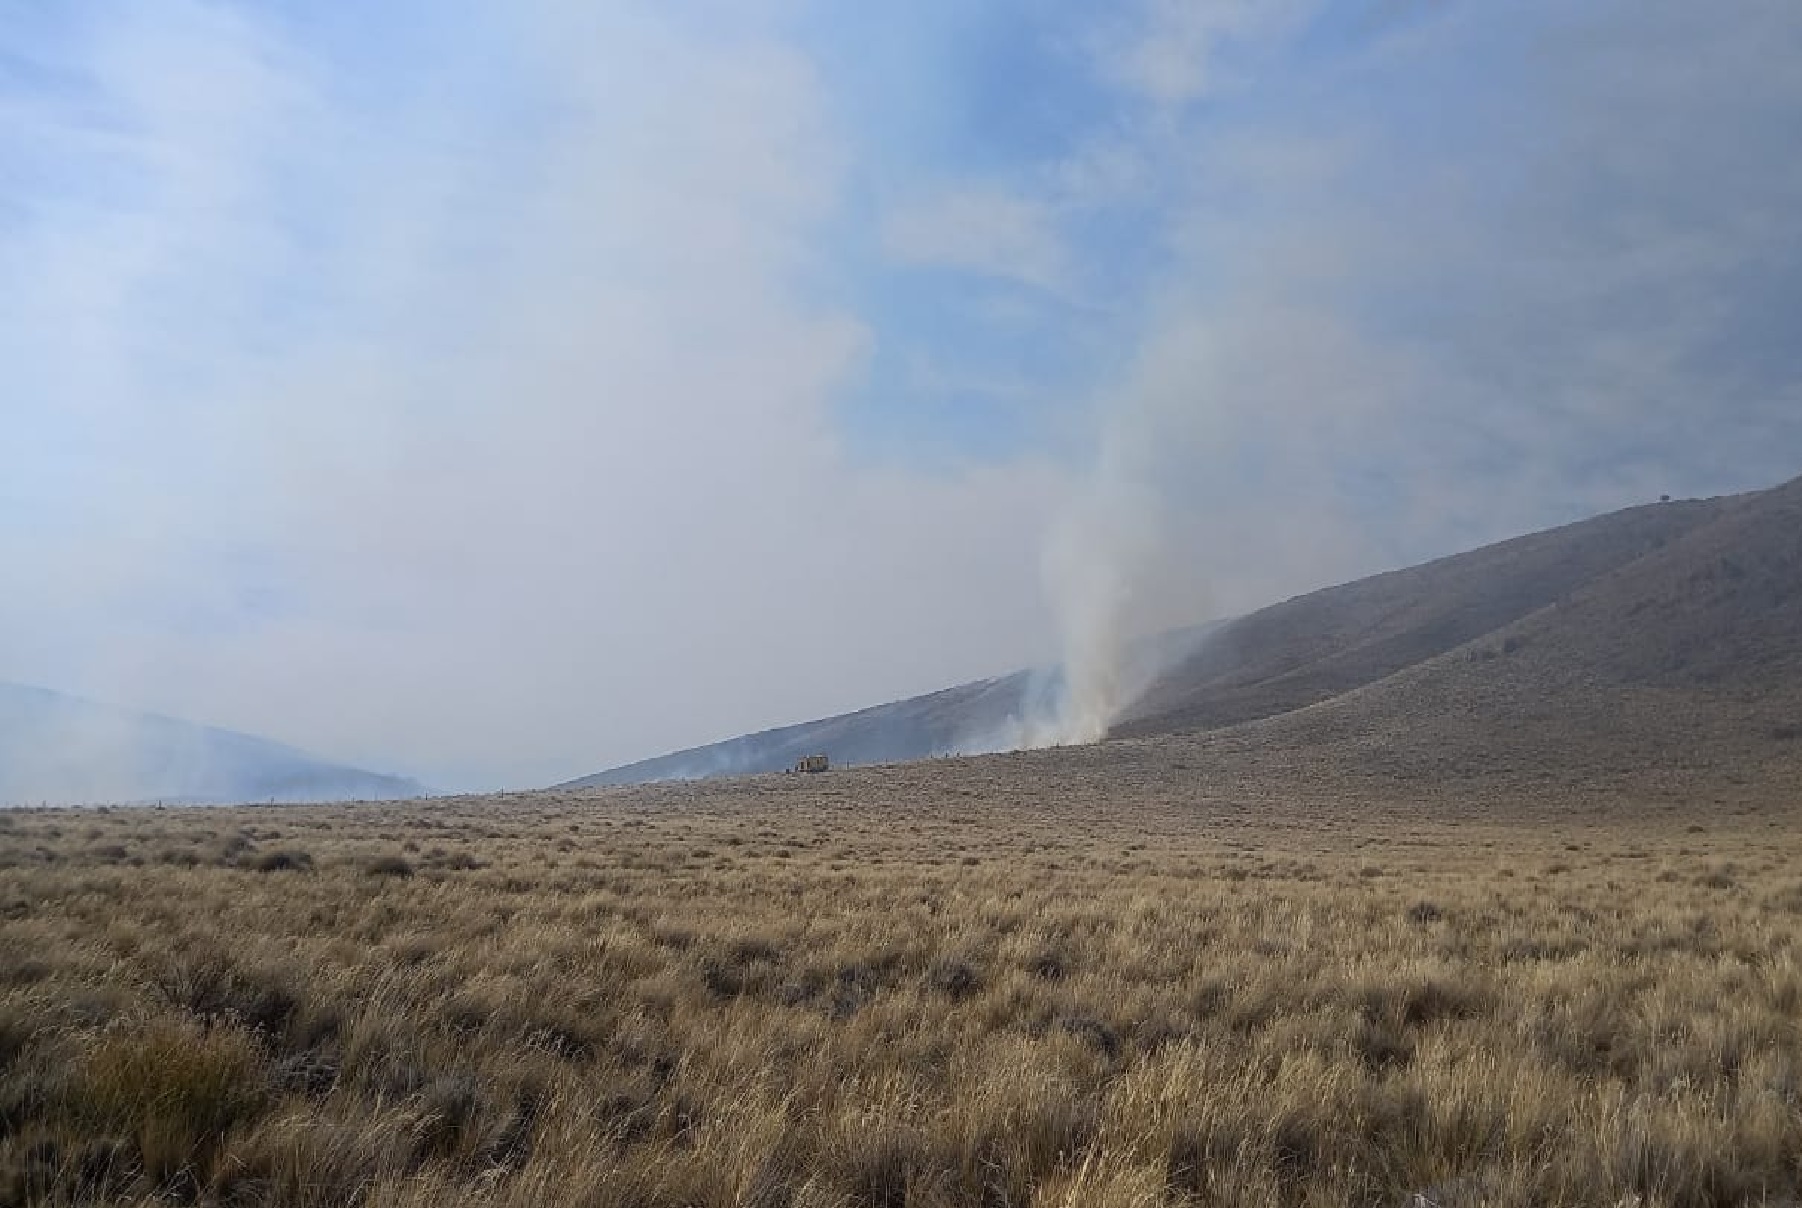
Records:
x=1478, y=884
x=1657, y=646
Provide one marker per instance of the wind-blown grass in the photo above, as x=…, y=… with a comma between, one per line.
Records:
x=825, y=994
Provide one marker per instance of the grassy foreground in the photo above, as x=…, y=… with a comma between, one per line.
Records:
x=828, y=994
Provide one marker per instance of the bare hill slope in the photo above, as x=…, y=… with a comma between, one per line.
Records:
x=1320, y=645
x=960, y=719
x=1667, y=636
x=986, y=715
x=1686, y=660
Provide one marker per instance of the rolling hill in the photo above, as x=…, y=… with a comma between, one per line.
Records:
x=984, y=716
x=63, y=750
x=966, y=719
x=1684, y=662
x=1667, y=636
x=1329, y=642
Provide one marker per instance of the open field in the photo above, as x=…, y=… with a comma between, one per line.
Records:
x=995, y=982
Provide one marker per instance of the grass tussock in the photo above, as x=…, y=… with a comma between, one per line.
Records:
x=847, y=1000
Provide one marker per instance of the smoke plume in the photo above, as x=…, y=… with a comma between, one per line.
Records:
x=1097, y=558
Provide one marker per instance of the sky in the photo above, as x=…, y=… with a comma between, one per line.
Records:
x=494, y=393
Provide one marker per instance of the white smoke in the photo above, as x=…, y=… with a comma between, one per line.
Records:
x=1096, y=559
x=1124, y=600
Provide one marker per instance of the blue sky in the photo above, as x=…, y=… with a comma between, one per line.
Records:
x=496, y=392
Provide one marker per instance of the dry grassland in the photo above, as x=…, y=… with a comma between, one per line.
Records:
x=900, y=990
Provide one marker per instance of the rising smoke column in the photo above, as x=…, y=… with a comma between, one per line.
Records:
x=1097, y=556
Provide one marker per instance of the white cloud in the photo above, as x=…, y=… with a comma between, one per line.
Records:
x=984, y=230
x=520, y=434
x=1170, y=51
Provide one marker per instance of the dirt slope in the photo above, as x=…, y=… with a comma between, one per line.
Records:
x=1663, y=638
x=986, y=715
x=1685, y=661
x=922, y=727
x=1329, y=642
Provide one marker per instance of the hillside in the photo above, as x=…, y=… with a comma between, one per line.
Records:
x=1329, y=642
x=1684, y=662
x=60, y=749
x=984, y=716
x=1658, y=636
x=967, y=718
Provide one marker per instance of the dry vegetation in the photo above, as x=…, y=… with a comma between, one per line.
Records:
x=901, y=989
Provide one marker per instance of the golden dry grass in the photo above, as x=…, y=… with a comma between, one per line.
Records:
x=970, y=984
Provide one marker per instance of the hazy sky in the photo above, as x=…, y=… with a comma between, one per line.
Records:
x=497, y=392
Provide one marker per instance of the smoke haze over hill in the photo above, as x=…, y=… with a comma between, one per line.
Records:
x=1662, y=638
x=59, y=750
x=495, y=396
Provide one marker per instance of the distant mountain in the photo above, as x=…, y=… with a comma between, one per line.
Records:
x=64, y=750
x=1662, y=636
